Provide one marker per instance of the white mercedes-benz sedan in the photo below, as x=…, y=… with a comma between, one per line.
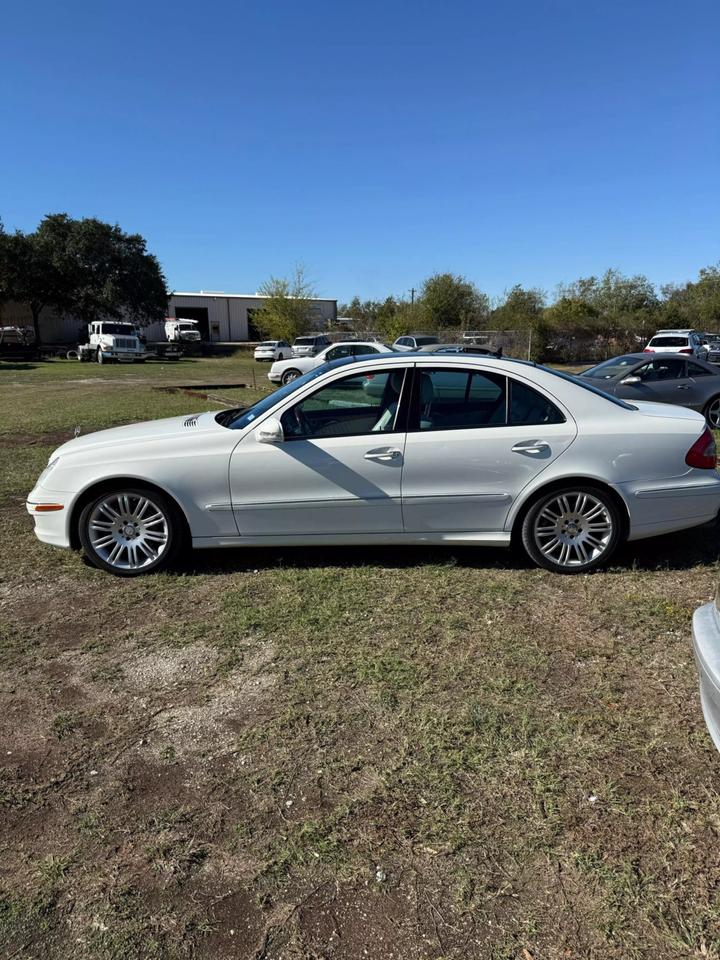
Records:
x=388, y=449
x=288, y=370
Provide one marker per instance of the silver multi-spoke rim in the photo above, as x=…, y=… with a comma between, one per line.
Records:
x=713, y=413
x=128, y=531
x=573, y=529
x=290, y=376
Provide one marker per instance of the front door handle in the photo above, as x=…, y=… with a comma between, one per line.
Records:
x=531, y=446
x=383, y=454
x=683, y=386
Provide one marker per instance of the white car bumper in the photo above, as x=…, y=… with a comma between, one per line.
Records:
x=706, y=644
x=51, y=512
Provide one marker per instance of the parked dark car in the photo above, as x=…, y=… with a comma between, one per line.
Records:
x=476, y=349
x=666, y=378
x=17, y=343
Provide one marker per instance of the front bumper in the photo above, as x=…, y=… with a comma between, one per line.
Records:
x=706, y=646
x=51, y=525
x=126, y=355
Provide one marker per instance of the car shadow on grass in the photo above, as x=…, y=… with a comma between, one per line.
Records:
x=679, y=551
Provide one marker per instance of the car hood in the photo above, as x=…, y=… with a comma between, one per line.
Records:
x=188, y=425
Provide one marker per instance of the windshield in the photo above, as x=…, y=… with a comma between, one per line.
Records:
x=241, y=418
x=610, y=369
x=125, y=328
x=668, y=342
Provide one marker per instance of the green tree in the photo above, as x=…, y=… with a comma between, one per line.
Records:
x=448, y=300
x=618, y=302
x=696, y=304
x=288, y=309
x=85, y=267
x=521, y=309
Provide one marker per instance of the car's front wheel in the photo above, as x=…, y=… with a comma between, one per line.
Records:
x=572, y=530
x=289, y=376
x=130, y=530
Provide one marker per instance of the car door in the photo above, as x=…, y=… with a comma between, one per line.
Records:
x=661, y=380
x=476, y=438
x=338, y=468
x=705, y=385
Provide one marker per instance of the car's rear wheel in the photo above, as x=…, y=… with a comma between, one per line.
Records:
x=289, y=376
x=130, y=530
x=712, y=413
x=572, y=530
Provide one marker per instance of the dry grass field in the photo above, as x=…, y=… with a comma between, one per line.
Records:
x=341, y=753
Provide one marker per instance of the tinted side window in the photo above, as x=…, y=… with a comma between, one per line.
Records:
x=528, y=407
x=337, y=352
x=695, y=370
x=460, y=399
x=359, y=404
x=669, y=369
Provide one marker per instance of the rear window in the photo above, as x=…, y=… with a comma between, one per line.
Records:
x=668, y=342
x=304, y=341
x=421, y=341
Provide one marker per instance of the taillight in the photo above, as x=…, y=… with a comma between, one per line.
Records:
x=685, y=350
x=648, y=350
x=703, y=453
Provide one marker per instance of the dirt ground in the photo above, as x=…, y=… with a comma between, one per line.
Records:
x=345, y=754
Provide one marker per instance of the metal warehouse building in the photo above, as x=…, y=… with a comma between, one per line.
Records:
x=221, y=317
x=227, y=317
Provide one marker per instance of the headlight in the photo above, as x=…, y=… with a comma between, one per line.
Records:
x=46, y=471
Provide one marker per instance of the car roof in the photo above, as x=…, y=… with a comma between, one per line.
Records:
x=684, y=332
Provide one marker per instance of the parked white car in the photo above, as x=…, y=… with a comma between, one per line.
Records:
x=456, y=449
x=689, y=342
x=706, y=644
x=292, y=369
x=270, y=350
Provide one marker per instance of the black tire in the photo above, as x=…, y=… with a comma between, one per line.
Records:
x=174, y=524
x=99, y=357
x=573, y=529
x=290, y=375
x=712, y=413
x=72, y=355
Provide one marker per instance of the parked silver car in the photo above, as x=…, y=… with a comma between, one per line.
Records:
x=706, y=644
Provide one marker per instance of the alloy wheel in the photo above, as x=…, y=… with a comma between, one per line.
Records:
x=128, y=531
x=712, y=415
x=573, y=529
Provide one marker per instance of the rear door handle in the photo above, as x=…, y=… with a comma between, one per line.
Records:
x=683, y=386
x=531, y=446
x=383, y=454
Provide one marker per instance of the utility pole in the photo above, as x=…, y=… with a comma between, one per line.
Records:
x=412, y=294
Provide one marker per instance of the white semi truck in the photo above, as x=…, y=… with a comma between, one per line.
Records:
x=119, y=341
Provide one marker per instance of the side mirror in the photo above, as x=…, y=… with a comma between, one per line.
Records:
x=270, y=432
x=629, y=381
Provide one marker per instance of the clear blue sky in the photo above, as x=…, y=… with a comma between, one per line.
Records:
x=376, y=142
